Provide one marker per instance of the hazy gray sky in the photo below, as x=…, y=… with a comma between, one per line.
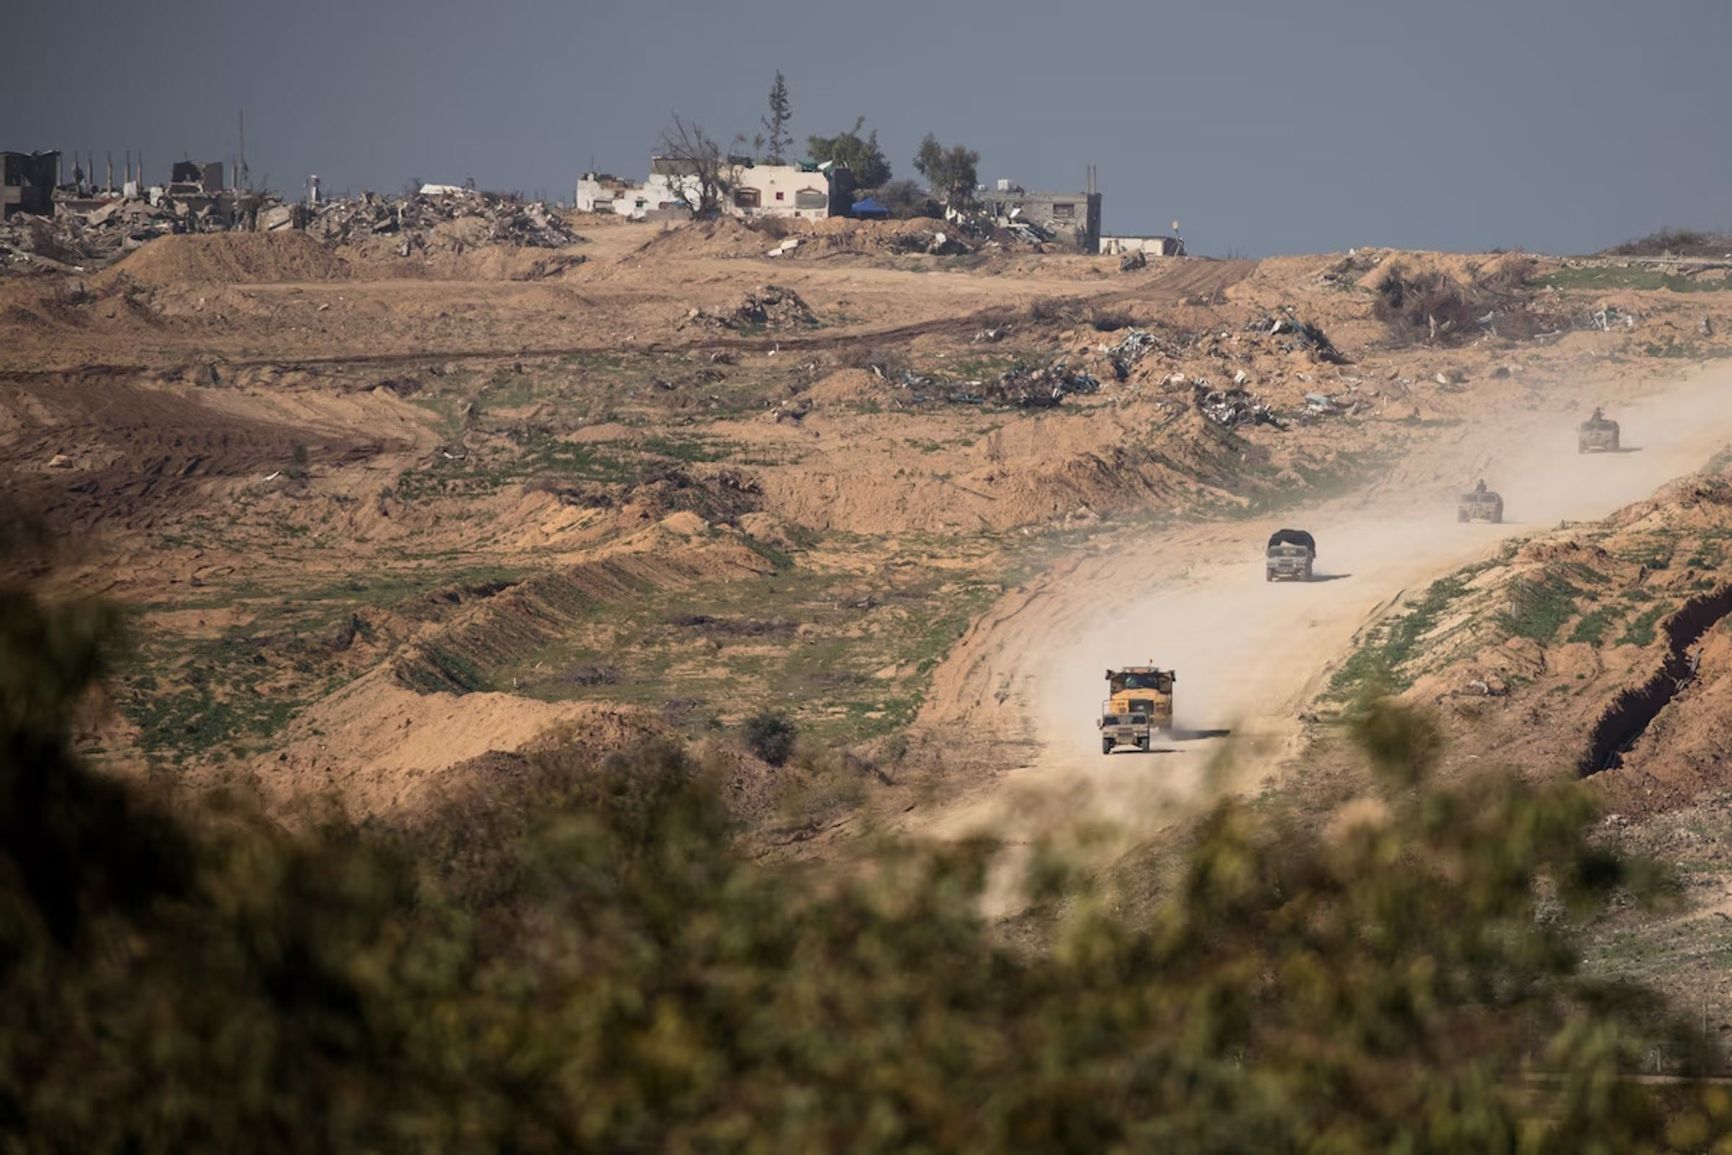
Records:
x=1264, y=126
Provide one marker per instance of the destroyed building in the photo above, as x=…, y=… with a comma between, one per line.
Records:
x=27, y=181
x=189, y=178
x=671, y=187
x=1074, y=217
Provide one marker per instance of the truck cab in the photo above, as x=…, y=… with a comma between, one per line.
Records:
x=1480, y=504
x=1290, y=556
x=1598, y=434
x=1139, y=706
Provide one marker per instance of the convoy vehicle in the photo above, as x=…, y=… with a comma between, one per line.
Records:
x=1480, y=504
x=1290, y=555
x=1598, y=434
x=1140, y=707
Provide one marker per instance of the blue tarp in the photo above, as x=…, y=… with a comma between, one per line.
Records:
x=870, y=208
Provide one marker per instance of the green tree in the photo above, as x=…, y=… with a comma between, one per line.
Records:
x=860, y=154
x=776, y=138
x=952, y=171
x=905, y=199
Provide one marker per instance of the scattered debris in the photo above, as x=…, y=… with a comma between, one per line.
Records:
x=1133, y=260
x=1610, y=317
x=1021, y=386
x=1231, y=408
x=1302, y=335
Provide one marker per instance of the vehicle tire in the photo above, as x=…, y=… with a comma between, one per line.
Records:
x=1461, y=515
x=1267, y=576
x=1106, y=745
x=1143, y=745
x=1614, y=443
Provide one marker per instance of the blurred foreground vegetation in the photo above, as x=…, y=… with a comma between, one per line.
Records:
x=590, y=963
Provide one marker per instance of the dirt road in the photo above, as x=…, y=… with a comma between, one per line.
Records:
x=1249, y=654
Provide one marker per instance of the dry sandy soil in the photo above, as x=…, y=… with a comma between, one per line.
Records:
x=380, y=526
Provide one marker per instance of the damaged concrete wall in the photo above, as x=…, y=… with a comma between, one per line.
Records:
x=27, y=183
x=1073, y=217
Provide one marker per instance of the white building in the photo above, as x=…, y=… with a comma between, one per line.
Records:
x=750, y=190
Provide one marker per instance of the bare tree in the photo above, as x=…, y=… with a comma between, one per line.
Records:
x=698, y=172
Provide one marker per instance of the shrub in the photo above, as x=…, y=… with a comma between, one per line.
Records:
x=771, y=737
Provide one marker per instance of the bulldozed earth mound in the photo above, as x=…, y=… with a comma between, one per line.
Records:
x=512, y=627
x=1613, y=633
x=230, y=258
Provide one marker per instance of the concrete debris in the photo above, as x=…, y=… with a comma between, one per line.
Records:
x=1231, y=408
x=769, y=307
x=1132, y=346
x=1124, y=353
x=1133, y=260
x=945, y=245
x=993, y=335
x=1299, y=334
x=93, y=238
x=415, y=221
x=95, y=231
x=1610, y=317
x=784, y=248
x=1706, y=328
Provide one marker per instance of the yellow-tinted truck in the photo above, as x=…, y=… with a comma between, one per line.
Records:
x=1140, y=706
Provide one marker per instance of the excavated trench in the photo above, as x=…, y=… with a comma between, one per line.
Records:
x=1633, y=711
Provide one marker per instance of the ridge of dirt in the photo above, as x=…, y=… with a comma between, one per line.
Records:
x=228, y=258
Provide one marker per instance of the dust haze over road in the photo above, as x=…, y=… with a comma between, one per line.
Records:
x=1249, y=655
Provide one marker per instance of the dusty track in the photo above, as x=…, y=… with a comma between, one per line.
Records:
x=1251, y=655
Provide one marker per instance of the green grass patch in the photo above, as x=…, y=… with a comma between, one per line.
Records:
x=1592, y=627
x=1539, y=609
x=1393, y=643
x=1609, y=277
x=1641, y=631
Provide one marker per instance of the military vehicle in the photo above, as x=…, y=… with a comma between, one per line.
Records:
x=1598, y=434
x=1289, y=556
x=1140, y=706
x=1480, y=504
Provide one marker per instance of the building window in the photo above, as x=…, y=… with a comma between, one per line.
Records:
x=747, y=198
x=1064, y=212
x=778, y=195
x=808, y=198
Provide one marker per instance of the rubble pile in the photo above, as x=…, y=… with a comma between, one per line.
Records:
x=84, y=240
x=415, y=221
x=768, y=307
x=1299, y=335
